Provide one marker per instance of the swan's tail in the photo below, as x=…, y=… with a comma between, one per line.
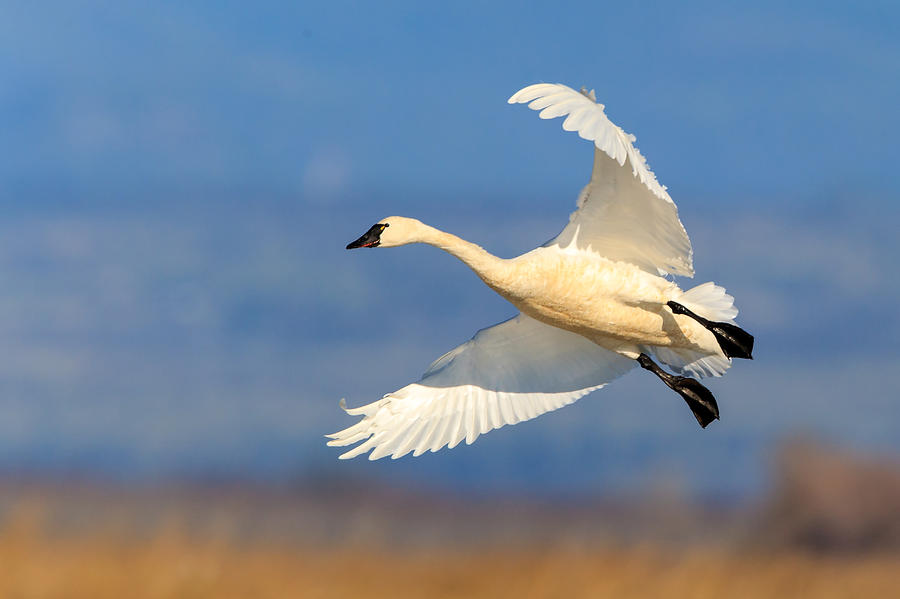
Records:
x=711, y=306
x=709, y=301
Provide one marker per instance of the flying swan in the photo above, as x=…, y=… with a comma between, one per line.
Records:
x=593, y=303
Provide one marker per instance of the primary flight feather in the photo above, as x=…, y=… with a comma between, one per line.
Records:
x=593, y=304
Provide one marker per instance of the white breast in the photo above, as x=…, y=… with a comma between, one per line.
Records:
x=609, y=302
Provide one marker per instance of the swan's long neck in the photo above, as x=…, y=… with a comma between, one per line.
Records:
x=488, y=267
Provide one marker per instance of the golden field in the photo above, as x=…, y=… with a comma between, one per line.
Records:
x=38, y=559
x=829, y=527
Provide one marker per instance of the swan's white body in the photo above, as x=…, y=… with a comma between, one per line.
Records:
x=591, y=300
x=614, y=304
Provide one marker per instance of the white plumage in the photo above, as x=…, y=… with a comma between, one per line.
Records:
x=623, y=213
x=591, y=301
x=513, y=371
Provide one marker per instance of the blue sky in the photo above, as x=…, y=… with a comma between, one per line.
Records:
x=178, y=182
x=737, y=98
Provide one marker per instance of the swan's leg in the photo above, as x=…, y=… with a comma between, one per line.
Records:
x=699, y=399
x=734, y=341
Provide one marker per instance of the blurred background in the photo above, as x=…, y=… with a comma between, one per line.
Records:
x=178, y=317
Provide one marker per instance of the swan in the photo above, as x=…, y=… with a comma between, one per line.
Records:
x=593, y=302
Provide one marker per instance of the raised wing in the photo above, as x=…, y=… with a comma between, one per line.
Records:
x=510, y=372
x=623, y=213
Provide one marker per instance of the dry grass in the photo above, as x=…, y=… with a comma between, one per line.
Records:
x=171, y=561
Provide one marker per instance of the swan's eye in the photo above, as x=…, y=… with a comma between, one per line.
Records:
x=370, y=238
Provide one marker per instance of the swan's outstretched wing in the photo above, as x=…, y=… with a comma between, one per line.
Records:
x=505, y=374
x=623, y=213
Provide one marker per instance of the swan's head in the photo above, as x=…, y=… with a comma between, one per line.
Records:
x=390, y=232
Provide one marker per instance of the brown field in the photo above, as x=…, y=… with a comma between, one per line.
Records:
x=38, y=559
x=829, y=527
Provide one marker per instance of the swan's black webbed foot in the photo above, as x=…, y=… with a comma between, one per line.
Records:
x=698, y=398
x=734, y=341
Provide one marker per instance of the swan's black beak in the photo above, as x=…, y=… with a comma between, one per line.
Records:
x=369, y=239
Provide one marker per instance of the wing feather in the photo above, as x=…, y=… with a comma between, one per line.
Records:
x=505, y=374
x=623, y=213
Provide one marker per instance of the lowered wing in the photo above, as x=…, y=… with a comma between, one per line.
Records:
x=507, y=373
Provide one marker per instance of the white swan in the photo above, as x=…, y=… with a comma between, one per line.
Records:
x=592, y=304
